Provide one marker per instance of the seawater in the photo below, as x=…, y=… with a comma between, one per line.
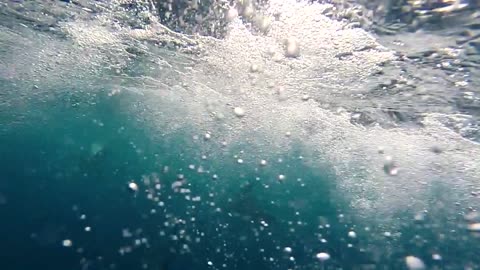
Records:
x=89, y=107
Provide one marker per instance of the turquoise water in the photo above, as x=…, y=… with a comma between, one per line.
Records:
x=61, y=164
x=56, y=174
x=120, y=150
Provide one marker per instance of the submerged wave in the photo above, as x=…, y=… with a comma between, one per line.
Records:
x=295, y=141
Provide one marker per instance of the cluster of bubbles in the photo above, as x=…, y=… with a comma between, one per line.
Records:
x=184, y=211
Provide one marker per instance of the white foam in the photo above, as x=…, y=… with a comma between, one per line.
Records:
x=223, y=78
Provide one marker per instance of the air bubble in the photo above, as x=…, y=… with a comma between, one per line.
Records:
x=322, y=256
x=414, y=263
x=474, y=227
x=240, y=112
x=67, y=243
x=390, y=167
x=232, y=14
x=132, y=186
x=292, y=48
x=288, y=250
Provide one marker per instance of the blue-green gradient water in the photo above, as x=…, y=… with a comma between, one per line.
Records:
x=89, y=108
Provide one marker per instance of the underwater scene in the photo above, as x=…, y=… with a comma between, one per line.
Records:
x=239, y=134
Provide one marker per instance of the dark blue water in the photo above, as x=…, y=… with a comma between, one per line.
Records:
x=52, y=178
